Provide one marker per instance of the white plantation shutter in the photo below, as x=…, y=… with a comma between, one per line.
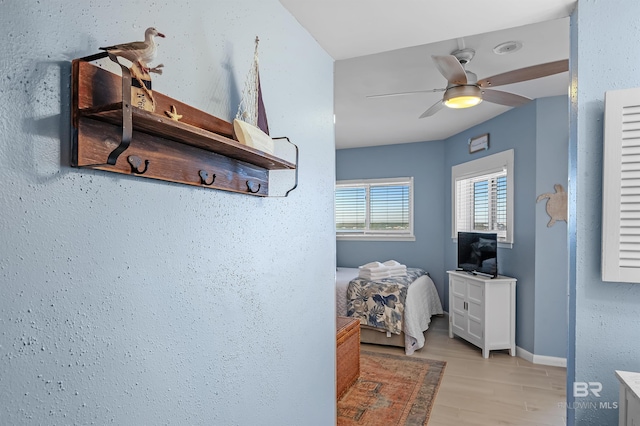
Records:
x=464, y=204
x=621, y=187
x=482, y=196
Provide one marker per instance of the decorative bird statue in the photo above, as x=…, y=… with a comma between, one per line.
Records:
x=139, y=52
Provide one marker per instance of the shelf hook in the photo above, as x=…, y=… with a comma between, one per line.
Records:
x=135, y=162
x=251, y=190
x=204, y=177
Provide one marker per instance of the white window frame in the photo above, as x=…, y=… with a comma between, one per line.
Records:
x=482, y=166
x=371, y=235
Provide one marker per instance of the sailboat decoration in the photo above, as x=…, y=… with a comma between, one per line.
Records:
x=250, y=125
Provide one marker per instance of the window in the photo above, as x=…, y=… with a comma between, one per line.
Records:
x=483, y=196
x=375, y=209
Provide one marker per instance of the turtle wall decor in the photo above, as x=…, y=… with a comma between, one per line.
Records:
x=556, y=204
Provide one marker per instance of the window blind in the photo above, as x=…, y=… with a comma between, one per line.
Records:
x=389, y=207
x=481, y=203
x=375, y=207
x=351, y=209
x=482, y=196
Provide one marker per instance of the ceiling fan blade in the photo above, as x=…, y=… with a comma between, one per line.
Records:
x=384, y=95
x=433, y=109
x=504, y=98
x=524, y=74
x=450, y=68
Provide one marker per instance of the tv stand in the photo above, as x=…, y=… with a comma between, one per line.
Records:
x=482, y=310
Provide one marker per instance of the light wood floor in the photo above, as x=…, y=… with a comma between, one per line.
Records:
x=501, y=390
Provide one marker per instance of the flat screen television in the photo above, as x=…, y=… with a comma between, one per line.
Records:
x=478, y=253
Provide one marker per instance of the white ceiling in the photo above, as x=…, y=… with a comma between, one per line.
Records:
x=383, y=47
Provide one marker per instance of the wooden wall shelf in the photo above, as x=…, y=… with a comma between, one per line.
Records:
x=198, y=150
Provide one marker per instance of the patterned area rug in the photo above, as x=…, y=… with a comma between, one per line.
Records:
x=391, y=390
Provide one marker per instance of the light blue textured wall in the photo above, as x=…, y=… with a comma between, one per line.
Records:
x=603, y=322
x=423, y=161
x=132, y=301
x=515, y=129
x=552, y=149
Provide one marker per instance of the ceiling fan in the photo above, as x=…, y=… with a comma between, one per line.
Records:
x=464, y=90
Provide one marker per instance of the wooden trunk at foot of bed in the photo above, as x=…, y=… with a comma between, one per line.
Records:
x=347, y=353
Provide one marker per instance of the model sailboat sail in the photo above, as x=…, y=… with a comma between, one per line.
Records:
x=250, y=125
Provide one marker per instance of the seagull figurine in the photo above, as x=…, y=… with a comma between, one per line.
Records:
x=138, y=52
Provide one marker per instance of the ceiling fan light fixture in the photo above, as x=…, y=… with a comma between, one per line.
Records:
x=462, y=96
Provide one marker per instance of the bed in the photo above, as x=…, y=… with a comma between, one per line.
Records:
x=422, y=302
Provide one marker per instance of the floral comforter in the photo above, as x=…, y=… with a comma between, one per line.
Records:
x=380, y=304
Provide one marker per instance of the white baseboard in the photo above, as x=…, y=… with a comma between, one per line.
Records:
x=552, y=361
